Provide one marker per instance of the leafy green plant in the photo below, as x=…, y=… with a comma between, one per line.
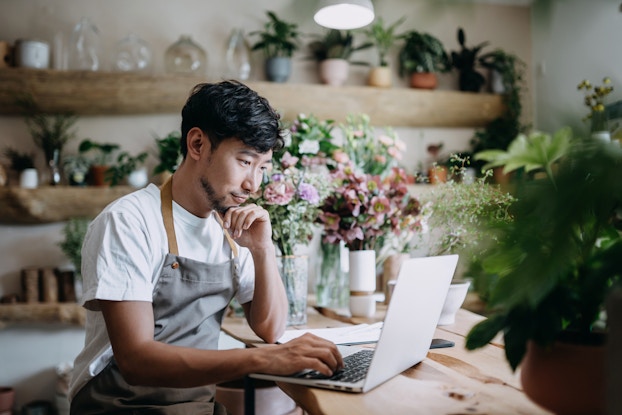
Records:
x=536, y=151
x=336, y=44
x=169, y=153
x=74, y=232
x=558, y=258
x=509, y=66
x=501, y=131
x=19, y=161
x=383, y=37
x=422, y=52
x=101, y=153
x=278, y=39
x=50, y=132
x=465, y=62
x=125, y=164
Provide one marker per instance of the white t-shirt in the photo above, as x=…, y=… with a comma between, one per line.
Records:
x=122, y=257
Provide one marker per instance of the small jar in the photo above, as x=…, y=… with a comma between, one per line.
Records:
x=132, y=54
x=32, y=54
x=185, y=57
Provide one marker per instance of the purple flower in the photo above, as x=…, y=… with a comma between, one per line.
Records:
x=309, y=193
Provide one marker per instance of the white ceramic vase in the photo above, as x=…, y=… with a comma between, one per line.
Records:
x=362, y=274
x=455, y=297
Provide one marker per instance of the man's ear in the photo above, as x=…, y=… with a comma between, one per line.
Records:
x=197, y=143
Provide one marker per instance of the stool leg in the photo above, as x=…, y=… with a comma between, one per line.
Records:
x=249, y=396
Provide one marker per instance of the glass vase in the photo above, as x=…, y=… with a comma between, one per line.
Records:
x=185, y=57
x=238, y=56
x=132, y=54
x=85, y=50
x=294, y=271
x=332, y=279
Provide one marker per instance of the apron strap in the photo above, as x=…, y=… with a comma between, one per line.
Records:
x=166, y=198
x=232, y=244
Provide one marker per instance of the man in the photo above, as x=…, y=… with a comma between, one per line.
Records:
x=160, y=267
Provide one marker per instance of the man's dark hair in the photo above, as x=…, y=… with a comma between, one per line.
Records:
x=229, y=109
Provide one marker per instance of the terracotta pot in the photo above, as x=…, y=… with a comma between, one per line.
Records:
x=423, y=80
x=565, y=378
x=380, y=76
x=7, y=399
x=334, y=71
x=437, y=174
x=97, y=176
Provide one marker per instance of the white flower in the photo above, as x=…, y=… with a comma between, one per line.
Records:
x=309, y=147
x=287, y=137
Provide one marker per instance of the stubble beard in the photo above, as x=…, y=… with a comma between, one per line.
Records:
x=216, y=202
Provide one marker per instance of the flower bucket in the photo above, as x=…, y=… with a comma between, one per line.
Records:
x=294, y=271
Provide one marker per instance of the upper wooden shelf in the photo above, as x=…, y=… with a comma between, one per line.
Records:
x=115, y=93
x=55, y=203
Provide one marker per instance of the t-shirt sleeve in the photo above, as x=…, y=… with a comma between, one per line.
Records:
x=247, y=277
x=117, y=262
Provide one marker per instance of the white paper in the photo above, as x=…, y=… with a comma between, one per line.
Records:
x=357, y=334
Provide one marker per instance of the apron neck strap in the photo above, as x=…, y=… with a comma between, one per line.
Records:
x=166, y=198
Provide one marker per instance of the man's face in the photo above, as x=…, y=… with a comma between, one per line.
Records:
x=233, y=172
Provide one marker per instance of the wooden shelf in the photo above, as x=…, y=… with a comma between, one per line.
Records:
x=114, y=93
x=64, y=313
x=55, y=203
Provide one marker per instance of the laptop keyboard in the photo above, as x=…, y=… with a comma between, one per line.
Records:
x=355, y=368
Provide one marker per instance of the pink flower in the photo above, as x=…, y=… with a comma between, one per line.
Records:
x=288, y=160
x=341, y=157
x=279, y=193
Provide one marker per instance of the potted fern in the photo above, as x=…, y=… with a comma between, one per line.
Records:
x=333, y=51
x=421, y=57
x=278, y=41
x=101, y=156
x=169, y=155
x=382, y=37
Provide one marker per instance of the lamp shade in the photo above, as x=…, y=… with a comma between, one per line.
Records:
x=344, y=14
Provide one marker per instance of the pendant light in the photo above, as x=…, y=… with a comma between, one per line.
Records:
x=344, y=14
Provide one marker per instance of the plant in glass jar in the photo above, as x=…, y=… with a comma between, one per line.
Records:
x=50, y=132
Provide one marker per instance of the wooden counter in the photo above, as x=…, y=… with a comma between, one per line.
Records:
x=448, y=381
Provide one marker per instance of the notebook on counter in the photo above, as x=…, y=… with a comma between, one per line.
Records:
x=406, y=334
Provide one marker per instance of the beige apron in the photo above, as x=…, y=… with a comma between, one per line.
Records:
x=189, y=301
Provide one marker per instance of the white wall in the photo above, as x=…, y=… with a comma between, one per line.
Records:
x=161, y=22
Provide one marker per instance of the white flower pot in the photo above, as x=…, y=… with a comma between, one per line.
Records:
x=455, y=297
x=362, y=274
x=29, y=179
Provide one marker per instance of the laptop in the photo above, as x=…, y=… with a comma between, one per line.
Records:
x=406, y=334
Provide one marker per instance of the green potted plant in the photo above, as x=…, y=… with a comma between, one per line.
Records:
x=506, y=70
x=73, y=237
x=556, y=263
x=101, y=156
x=333, y=51
x=465, y=62
x=169, y=155
x=382, y=38
x=500, y=132
x=22, y=164
x=50, y=132
x=128, y=168
x=421, y=57
x=278, y=41
x=76, y=168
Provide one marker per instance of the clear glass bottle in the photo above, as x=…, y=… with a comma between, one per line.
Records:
x=132, y=54
x=85, y=50
x=185, y=57
x=238, y=56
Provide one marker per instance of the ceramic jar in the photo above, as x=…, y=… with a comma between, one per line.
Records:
x=32, y=54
